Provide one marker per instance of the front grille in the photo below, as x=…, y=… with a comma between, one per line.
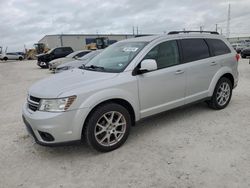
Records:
x=34, y=99
x=33, y=103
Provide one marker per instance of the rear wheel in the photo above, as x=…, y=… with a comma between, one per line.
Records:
x=222, y=94
x=5, y=58
x=108, y=127
x=20, y=58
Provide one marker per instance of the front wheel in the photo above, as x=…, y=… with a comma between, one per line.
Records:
x=108, y=127
x=222, y=94
x=20, y=58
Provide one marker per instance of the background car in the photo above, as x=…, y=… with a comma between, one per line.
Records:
x=245, y=52
x=11, y=56
x=238, y=47
x=75, y=55
x=77, y=63
x=44, y=59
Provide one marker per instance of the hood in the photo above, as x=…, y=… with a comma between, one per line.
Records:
x=60, y=61
x=75, y=64
x=66, y=81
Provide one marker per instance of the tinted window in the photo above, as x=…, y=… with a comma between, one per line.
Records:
x=194, y=49
x=165, y=54
x=58, y=51
x=218, y=47
x=81, y=54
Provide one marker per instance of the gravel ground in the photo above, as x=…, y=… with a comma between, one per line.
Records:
x=189, y=147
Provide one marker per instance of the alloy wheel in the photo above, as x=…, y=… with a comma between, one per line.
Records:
x=110, y=128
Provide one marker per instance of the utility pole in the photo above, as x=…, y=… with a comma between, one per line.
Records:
x=137, y=30
x=201, y=28
x=216, y=27
x=133, y=30
x=228, y=20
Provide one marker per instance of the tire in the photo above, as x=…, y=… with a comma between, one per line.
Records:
x=220, y=98
x=243, y=56
x=101, y=134
x=20, y=58
x=5, y=58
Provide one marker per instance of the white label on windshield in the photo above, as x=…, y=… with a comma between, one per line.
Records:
x=130, y=49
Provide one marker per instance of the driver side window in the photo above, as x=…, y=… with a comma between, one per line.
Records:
x=165, y=54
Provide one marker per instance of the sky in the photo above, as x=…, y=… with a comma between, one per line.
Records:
x=25, y=22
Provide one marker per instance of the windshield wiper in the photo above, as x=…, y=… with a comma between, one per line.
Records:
x=93, y=67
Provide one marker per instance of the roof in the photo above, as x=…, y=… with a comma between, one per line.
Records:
x=166, y=36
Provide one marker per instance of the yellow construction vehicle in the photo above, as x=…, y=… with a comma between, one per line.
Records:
x=98, y=43
x=39, y=48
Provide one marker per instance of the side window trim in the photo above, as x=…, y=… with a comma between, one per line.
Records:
x=180, y=51
x=211, y=48
x=211, y=51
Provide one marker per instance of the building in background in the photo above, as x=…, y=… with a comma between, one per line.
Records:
x=79, y=41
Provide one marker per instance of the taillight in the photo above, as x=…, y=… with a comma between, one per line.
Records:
x=237, y=56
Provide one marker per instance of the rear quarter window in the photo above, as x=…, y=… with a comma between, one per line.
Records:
x=218, y=47
x=194, y=49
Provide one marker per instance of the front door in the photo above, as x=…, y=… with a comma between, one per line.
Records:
x=163, y=88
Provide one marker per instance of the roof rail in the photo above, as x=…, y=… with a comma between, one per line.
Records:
x=178, y=32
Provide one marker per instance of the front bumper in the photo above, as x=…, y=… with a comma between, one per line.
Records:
x=64, y=127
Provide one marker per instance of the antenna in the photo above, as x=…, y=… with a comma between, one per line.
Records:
x=228, y=20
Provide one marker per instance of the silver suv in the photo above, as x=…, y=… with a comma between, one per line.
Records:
x=128, y=81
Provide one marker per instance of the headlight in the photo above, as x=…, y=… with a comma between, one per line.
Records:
x=56, y=105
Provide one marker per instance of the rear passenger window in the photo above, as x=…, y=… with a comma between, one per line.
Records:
x=194, y=49
x=165, y=54
x=218, y=47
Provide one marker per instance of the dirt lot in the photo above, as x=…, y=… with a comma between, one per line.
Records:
x=189, y=147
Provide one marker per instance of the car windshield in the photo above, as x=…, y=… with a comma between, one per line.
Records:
x=90, y=55
x=73, y=54
x=48, y=52
x=116, y=57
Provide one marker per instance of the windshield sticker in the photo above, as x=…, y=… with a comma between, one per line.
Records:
x=130, y=49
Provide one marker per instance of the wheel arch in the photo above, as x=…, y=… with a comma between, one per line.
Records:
x=225, y=72
x=119, y=101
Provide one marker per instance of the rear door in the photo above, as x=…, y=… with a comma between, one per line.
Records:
x=163, y=88
x=200, y=67
x=12, y=56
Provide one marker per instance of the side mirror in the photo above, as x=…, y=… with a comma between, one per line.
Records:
x=148, y=65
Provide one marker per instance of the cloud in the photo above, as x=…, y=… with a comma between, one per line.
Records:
x=27, y=21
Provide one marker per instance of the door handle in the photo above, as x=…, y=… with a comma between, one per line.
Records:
x=179, y=72
x=213, y=63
